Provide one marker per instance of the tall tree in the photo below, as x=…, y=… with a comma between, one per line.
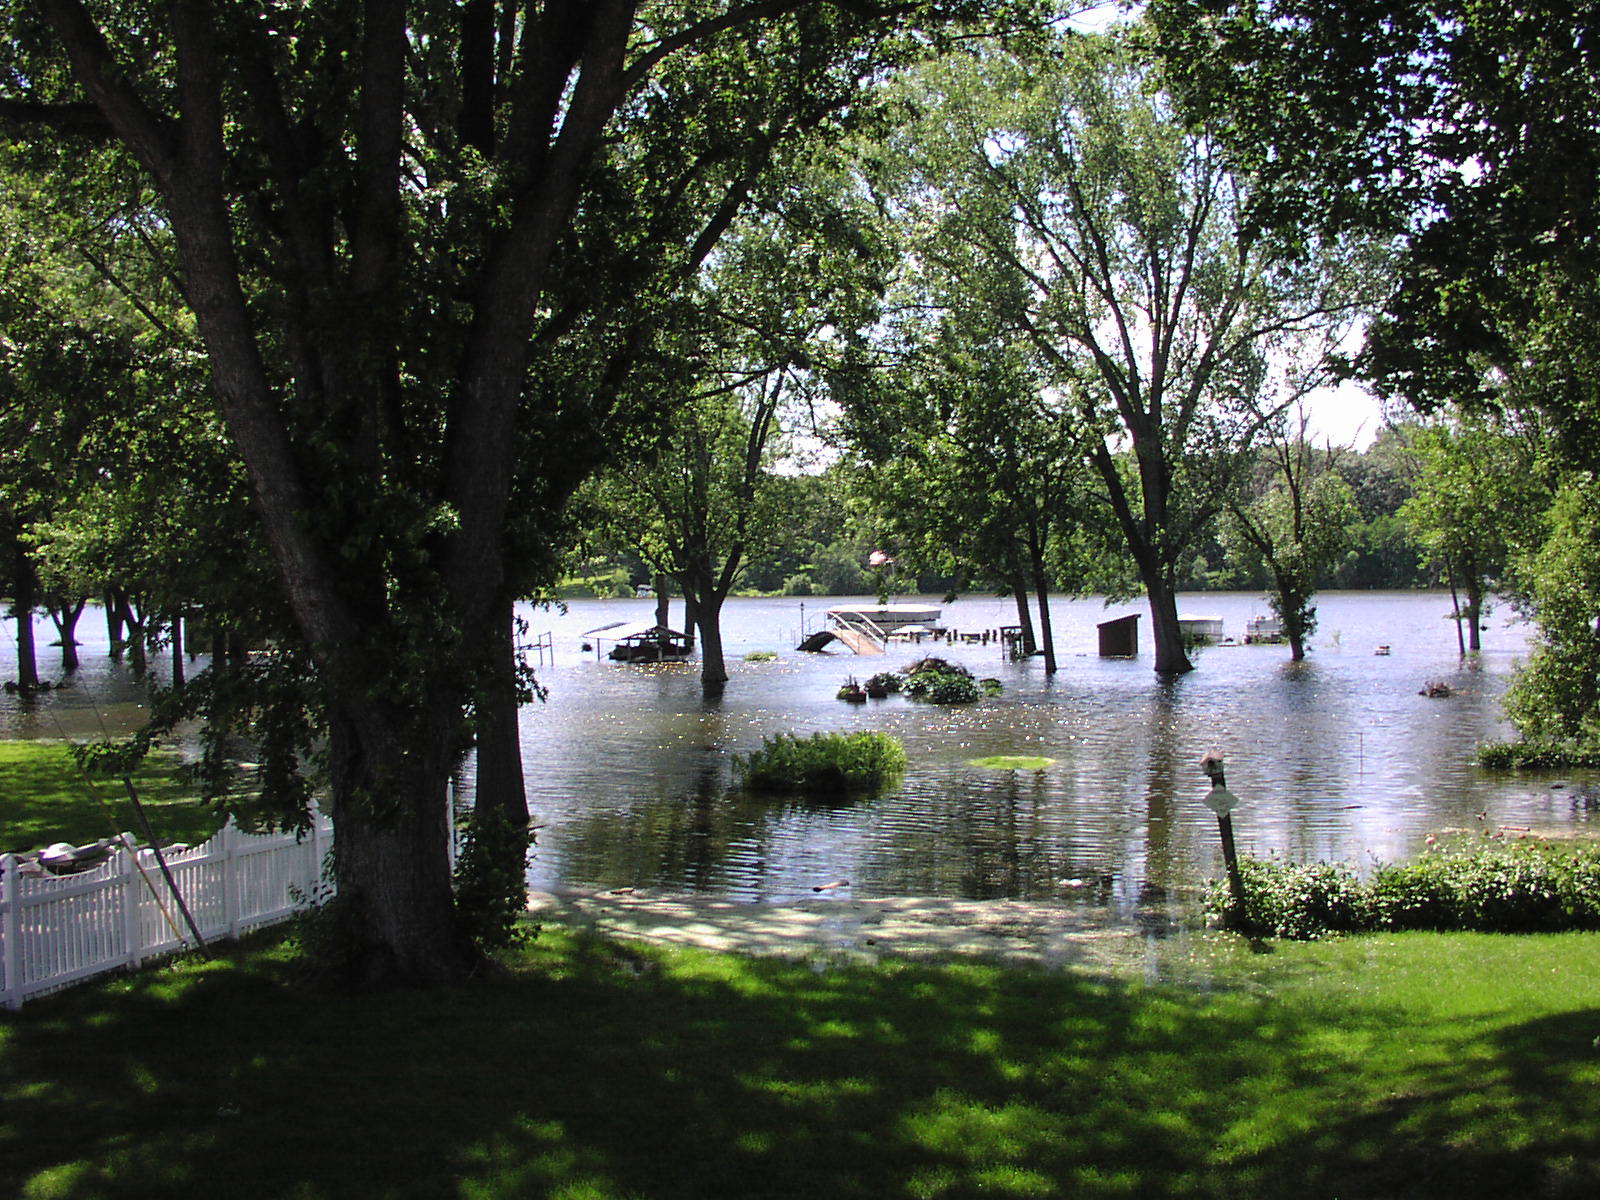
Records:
x=1077, y=206
x=1295, y=521
x=1480, y=496
x=388, y=217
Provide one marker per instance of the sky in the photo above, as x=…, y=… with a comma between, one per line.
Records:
x=1348, y=415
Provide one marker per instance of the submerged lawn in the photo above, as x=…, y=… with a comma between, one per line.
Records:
x=1421, y=1065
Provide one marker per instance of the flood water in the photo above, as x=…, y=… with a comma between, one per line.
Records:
x=630, y=771
x=1335, y=758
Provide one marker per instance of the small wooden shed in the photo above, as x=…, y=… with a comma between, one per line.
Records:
x=1119, y=637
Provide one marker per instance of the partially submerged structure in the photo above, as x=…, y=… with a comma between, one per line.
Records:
x=638, y=642
x=866, y=628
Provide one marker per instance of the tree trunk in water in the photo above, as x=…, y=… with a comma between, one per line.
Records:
x=395, y=919
x=1293, y=613
x=27, y=656
x=1455, y=606
x=691, y=616
x=24, y=599
x=1297, y=643
x=1041, y=587
x=177, y=650
x=1474, y=617
x=115, y=633
x=500, y=789
x=1019, y=590
x=1171, y=657
x=134, y=626
x=663, y=603
x=65, y=617
x=713, y=670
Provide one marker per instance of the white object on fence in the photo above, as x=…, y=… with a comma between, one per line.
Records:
x=59, y=929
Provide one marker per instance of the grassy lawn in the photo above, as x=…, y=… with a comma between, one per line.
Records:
x=1419, y=1065
x=44, y=798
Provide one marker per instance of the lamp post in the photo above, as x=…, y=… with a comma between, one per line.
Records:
x=1222, y=802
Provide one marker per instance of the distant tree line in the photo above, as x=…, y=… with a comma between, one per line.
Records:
x=825, y=550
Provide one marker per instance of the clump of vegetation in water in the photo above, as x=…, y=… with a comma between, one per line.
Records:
x=1536, y=755
x=1012, y=762
x=1502, y=887
x=884, y=683
x=940, y=681
x=822, y=763
x=761, y=656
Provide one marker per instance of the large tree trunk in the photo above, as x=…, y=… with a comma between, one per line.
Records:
x=27, y=655
x=663, y=603
x=713, y=670
x=708, y=619
x=1171, y=656
x=1474, y=614
x=394, y=914
x=1292, y=610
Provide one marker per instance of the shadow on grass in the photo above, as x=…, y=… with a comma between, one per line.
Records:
x=606, y=1071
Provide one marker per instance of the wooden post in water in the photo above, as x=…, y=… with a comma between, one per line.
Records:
x=1222, y=802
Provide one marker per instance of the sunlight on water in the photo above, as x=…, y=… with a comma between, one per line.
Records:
x=1339, y=757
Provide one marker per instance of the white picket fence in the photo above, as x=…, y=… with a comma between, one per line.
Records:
x=58, y=930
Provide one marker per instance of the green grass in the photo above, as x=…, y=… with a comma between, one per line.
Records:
x=45, y=798
x=1418, y=1065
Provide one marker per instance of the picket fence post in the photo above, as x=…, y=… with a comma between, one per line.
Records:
x=131, y=893
x=227, y=843
x=10, y=931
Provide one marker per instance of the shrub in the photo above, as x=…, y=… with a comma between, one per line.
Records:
x=822, y=763
x=491, y=883
x=888, y=681
x=939, y=688
x=942, y=682
x=935, y=665
x=1537, y=755
x=1293, y=900
x=1504, y=887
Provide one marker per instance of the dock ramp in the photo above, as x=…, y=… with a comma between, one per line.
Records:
x=861, y=635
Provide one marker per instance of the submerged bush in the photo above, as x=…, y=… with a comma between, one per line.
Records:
x=1503, y=887
x=886, y=681
x=940, y=681
x=1537, y=755
x=822, y=763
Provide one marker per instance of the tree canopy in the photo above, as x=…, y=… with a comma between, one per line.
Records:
x=425, y=246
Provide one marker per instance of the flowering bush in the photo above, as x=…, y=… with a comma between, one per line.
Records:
x=1505, y=887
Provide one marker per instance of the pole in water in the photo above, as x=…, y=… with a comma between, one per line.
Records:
x=1222, y=802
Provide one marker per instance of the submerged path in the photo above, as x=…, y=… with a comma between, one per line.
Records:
x=836, y=927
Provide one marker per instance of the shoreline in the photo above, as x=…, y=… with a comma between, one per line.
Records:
x=837, y=927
